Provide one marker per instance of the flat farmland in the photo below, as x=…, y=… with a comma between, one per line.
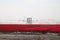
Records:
x=28, y=37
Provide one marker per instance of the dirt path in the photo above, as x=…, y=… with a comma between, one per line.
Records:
x=29, y=37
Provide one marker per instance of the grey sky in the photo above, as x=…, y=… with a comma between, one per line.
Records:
x=16, y=9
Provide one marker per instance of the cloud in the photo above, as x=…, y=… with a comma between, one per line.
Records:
x=43, y=9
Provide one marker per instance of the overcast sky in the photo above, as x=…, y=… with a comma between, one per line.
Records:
x=18, y=9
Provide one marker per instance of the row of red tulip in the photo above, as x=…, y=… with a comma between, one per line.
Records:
x=31, y=27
